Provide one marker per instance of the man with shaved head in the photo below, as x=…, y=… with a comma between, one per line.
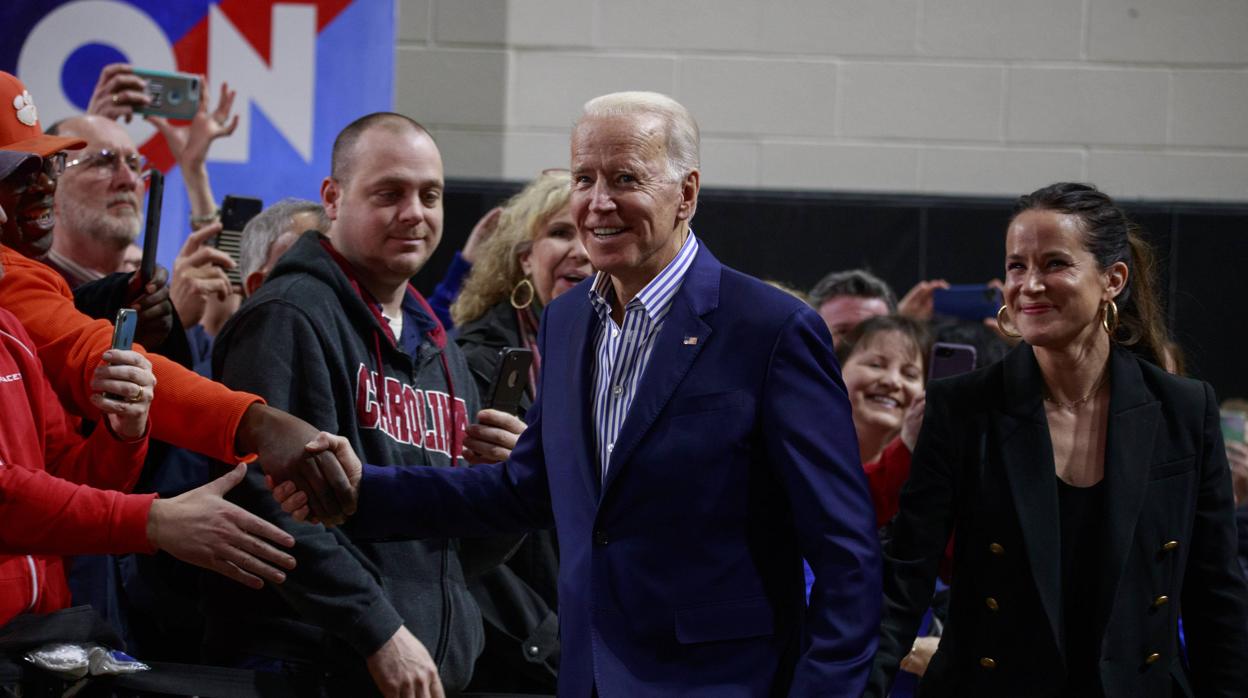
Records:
x=338, y=336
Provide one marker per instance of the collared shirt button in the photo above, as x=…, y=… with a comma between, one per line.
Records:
x=617, y=390
x=1170, y=546
x=1152, y=658
x=988, y=662
x=996, y=548
x=991, y=603
x=610, y=447
x=1161, y=601
x=533, y=650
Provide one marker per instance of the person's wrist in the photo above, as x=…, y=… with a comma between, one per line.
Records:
x=210, y=217
x=155, y=514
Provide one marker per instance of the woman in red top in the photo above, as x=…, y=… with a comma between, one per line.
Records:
x=884, y=365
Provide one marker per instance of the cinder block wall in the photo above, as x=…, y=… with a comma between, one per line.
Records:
x=1147, y=98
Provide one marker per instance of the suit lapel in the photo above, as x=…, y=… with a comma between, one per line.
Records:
x=673, y=355
x=580, y=346
x=1027, y=455
x=1133, y=417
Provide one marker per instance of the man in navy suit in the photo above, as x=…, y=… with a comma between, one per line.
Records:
x=691, y=443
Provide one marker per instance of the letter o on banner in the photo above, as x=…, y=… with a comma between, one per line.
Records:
x=69, y=27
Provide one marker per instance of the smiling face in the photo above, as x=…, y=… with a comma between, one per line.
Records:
x=556, y=261
x=27, y=200
x=1053, y=286
x=387, y=214
x=98, y=201
x=883, y=376
x=630, y=214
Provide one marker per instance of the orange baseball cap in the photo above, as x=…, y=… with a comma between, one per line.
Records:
x=19, y=122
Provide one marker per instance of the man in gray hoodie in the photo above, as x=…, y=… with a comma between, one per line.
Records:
x=338, y=336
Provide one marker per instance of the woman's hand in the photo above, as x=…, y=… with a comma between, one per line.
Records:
x=912, y=422
x=124, y=387
x=491, y=439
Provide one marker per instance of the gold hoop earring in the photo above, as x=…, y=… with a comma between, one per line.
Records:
x=1001, y=324
x=1111, y=309
x=529, y=294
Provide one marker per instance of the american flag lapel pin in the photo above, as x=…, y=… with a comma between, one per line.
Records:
x=690, y=341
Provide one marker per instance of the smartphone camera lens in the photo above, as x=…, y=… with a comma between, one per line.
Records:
x=175, y=97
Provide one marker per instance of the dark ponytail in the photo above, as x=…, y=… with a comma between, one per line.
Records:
x=1111, y=237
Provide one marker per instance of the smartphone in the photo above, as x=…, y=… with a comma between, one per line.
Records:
x=950, y=359
x=236, y=213
x=1233, y=423
x=123, y=328
x=510, y=380
x=175, y=95
x=967, y=301
x=123, y=336
x=151, y=230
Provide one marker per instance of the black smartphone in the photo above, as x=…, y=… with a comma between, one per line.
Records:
x=123, y=336
x=967, y=301
x=950, y=359
x=236, y=213
x=510, y=380
x=151, y=232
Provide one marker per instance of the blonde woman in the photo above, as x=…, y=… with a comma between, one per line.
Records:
x=533, y=256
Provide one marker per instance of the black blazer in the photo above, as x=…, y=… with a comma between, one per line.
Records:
x=983, y=465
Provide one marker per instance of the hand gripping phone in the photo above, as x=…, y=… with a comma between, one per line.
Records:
x=123, y=336
x=175, y=95
x=236, y=212
x=510, y=380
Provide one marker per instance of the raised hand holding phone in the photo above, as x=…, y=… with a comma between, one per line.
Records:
x=123, y=385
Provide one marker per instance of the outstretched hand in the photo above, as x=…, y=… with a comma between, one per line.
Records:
x=201, y=528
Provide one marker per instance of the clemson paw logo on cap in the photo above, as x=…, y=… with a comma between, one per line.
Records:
x=25, y=106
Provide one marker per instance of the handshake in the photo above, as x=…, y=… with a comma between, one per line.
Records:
x=317, y=494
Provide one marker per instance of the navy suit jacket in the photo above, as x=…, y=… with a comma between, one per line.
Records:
x=681, y=574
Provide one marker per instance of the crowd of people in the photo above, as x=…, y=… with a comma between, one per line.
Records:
x=712, y=486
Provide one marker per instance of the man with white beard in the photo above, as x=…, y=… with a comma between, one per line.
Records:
x=98, y=200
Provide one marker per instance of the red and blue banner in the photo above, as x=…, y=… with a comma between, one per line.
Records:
x=303, y=69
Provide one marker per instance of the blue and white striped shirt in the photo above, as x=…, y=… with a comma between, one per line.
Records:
x=622, y=353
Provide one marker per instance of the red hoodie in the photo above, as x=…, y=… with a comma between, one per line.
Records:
x=43, y=513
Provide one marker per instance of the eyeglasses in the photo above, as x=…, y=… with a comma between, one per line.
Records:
x=54, y=165
x=103, y=162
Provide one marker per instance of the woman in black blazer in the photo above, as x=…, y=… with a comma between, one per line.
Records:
x=1088, y=489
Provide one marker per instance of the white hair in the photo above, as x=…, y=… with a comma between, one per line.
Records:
x=267, y=226
x=681, y=131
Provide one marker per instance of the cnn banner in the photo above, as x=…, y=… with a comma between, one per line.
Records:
x=302, y=71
